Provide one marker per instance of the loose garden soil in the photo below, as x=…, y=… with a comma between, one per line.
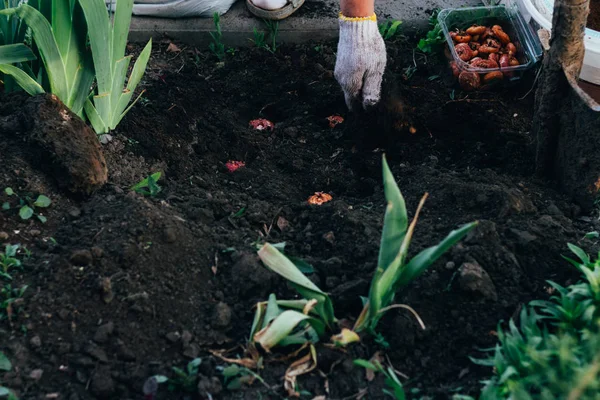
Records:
x=182, y=267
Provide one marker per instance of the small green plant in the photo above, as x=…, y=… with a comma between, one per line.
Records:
x=310, y=318
x=396, y=390
x=434, y=39
x=216, y=46
x=555, y=351
x=236, y=376
x=390, y=29
x=9, y=297
x=231, y=51
x=149, y=185
x=184, y=379
x=6, y=366
x=260, y=38
x=9, y=261
x=27, y=206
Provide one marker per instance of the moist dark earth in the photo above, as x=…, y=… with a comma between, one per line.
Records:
x=182, y=266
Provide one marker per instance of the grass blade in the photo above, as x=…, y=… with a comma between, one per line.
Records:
x=100, y=35
x=122, y=20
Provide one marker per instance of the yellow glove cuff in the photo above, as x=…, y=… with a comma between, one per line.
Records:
x=358, y=19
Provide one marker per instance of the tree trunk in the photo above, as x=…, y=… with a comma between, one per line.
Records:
x=565, y=57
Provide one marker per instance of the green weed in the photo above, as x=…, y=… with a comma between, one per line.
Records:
x=148, y=186
x=27, y=206
x=395, y=389
x=390, y=29
x=434, y=39
x=260, y=38
x=217, y=47
x=10, y=298
x=9, y=261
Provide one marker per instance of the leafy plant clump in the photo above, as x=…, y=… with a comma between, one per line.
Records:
x=390, y=29
x=311, y=318
x=216, y=46
x=10, y=299
x=71, y=66
x=434, y=39
x=260, y=38
x=9, y=261
x=148, y=186
x=27, y=206
x=555, y=351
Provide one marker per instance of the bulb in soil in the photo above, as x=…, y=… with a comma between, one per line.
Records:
x=469, y=81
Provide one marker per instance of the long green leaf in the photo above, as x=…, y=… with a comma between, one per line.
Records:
x=122, y=20
x=282, y=326
x=82, y=87
x=15, y=53
x=94, y=117
x=280, y=264
x=119, y=74
x=100, y=35
x=425, y=258
x=49, y=52
x=134, y=79
x=23, y=80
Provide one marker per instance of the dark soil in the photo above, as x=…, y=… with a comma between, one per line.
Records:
x=594, y=16
x=184, y=264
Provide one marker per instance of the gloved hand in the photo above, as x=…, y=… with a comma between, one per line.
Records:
x=361, y=59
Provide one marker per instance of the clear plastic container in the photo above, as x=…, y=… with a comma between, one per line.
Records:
x=529, y=49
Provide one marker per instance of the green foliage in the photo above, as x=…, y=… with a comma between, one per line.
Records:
x=6, y=365
x=555, y=351
x=217, y=47
x=186, y=379
x=394, y=271
x=308, y=319
x=390, y=29
x=260, y=38
x=236, y=377
x=26, y=205
x=434, y=39
x=112, y=98
x=9, y=261
x=9, y=300
x=149, y=185
x=61, y=31
x=391, y=379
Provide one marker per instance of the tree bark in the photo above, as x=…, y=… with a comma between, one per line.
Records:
x=565, y=57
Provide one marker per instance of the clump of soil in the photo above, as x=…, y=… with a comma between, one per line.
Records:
x=122, y=286
x=594, y=16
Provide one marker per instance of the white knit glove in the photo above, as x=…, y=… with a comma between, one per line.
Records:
x=361, y=60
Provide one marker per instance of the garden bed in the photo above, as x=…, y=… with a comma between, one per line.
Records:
x=182, y=267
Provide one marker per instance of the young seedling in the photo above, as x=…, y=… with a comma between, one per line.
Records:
x=184, y=379
x=149, y=185
x=260, y=37
x=6, y=366
x=8, y=261
x=391, y=379
x=434, y=39
x=217, y=47
x=236, y=376
x=27, y=206
x=390, y=29
x=9, y=297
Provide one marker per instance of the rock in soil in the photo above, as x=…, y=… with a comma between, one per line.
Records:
x=104, y=332
x=102, y=384
x=58, y=141
x=474, y=279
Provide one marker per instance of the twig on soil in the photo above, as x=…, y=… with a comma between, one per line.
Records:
x=533, y=85
x=97, y=234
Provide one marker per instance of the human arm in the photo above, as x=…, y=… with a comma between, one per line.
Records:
x=361, y=55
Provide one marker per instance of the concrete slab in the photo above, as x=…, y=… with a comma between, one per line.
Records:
x=315, y=21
